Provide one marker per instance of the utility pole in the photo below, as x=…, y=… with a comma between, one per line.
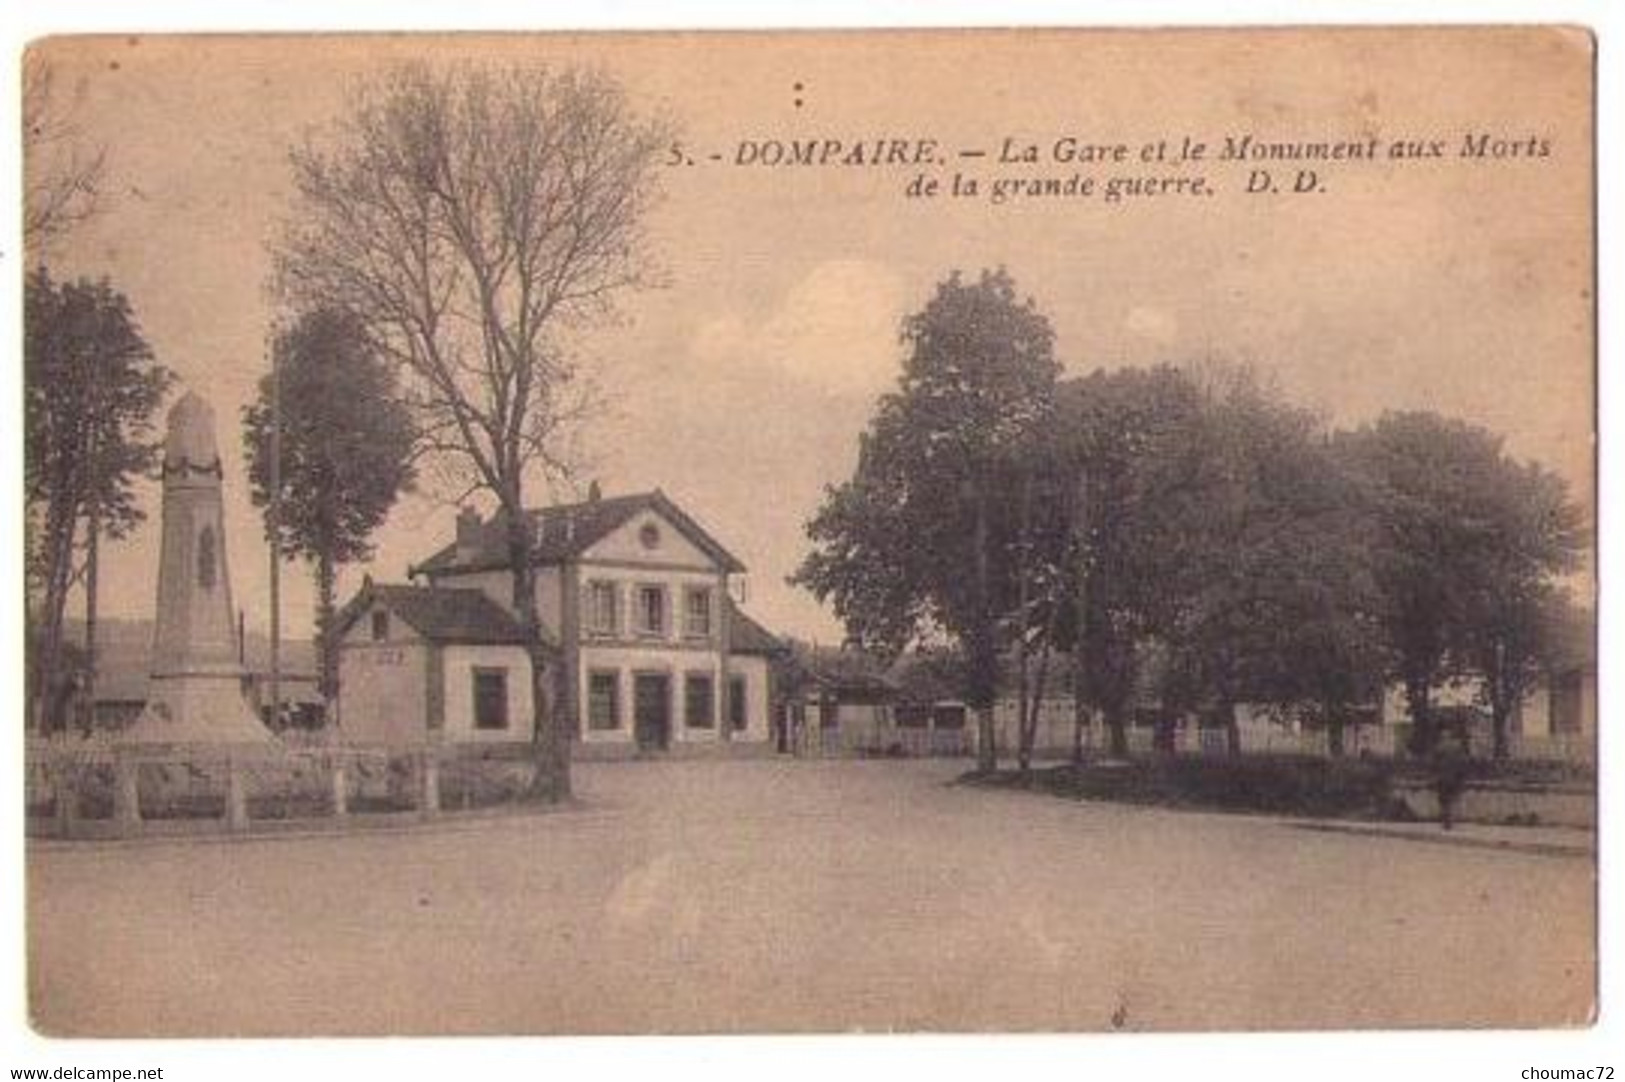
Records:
x=274, y=524
x=92, y=575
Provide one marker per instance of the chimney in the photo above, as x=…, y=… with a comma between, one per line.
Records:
x=594, y=493
x=468, y=534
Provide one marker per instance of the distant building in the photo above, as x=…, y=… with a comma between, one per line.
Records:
x=648, y=648
x=124, y=658
x=834, y=699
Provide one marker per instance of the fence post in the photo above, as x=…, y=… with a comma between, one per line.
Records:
x=236, y=796
x=126, y=794
x=429, y=802
x=341, y=789
x=67, y=797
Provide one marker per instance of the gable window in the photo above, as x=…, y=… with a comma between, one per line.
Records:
x=697, y=612
x=603, y=700
x=603, y=608
x=698, y=701
x=380, y=625
x=651, y=610
x=736, y=703
x=490, y=698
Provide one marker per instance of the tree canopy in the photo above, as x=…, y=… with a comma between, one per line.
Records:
x=1468, y=543
x=917, y=544
x=91, y=389
x=346, y=451
x=1196, y=541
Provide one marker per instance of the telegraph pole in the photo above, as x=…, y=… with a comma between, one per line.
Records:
x=92, y=589
x=274, y=524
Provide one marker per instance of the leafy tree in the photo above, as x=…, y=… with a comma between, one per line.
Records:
x=917, y=545
x=1466, y=540
x=1516, y=612
x=1123, y=438
x=91, y=387
x=469, y=218
x=1323, y=653
x=1265, y=592
x=346, y=446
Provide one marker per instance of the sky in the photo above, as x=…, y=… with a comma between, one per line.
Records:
x=741, y=387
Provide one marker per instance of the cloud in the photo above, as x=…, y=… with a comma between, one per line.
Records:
x=1151, y=324
x=835, y=330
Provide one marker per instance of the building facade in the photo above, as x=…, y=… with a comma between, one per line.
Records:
x=648, y=648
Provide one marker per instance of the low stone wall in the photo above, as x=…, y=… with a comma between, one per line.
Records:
x=1508, y=803
x=89, y=790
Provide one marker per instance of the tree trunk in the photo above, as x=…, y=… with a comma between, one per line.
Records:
x=987, y=751
x=61, y=526
x=550, y=749
x=1029, y=735
x=1424, y=735
x=1501, y=700
x=1024, y=751
x=983, y=651
x=1334, y=730
x=1501, y=721
x=1080, y=608
x=326, y=642
x=1232, y=726
x=1117, y=727
x=92, y=589
x=1167, y=727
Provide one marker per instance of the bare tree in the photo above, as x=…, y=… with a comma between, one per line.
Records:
x=471, y=218
x=64, y=178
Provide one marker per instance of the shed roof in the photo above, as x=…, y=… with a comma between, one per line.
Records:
x=440, y=613
x=746, y=636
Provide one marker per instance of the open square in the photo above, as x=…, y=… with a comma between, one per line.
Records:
x=806, y=896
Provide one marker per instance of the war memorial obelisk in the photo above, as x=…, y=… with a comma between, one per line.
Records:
x=196, y=691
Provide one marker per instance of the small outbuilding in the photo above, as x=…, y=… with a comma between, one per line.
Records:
x=416, y=661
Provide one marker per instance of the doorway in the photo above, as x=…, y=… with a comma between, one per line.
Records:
x=651, y=711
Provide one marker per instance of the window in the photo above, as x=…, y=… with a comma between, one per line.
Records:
x=737, y=714
x=698, y=703
x=649, y=536
x=603, y=608
x=652, y=610
x=697, y=613
x=604, y=700
x=380, y=625
x=490, y=698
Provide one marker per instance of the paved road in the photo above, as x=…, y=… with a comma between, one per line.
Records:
x=771, y=896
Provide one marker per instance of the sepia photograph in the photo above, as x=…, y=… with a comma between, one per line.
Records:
x=934, y=531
